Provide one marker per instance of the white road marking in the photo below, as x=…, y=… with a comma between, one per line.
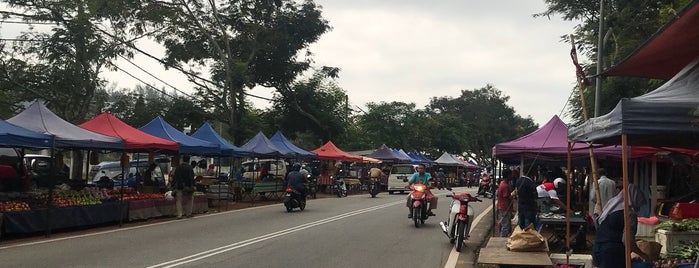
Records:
x=223, y=249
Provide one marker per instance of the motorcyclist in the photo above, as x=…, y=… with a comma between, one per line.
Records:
x=295, y=179
x=441, y=178
x=375, y=174
x=485, y=183
x=422, y=177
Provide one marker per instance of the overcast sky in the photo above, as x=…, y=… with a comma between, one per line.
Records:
x=412, y=50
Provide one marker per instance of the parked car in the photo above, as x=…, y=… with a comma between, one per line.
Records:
x=112, y=170
x=275, y=167
x=400, y=172
x=14, y=176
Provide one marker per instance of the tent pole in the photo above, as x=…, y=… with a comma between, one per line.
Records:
x=569, y=180
x=625, y=166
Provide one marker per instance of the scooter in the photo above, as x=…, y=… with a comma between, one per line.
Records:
x=485, y=189
x=294, y=199
x=418, y=200
x=340, y=188
x=458, y=224
x=374, y=187
x=312, y=185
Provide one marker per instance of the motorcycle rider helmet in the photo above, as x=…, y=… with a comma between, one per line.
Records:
x=296, y=167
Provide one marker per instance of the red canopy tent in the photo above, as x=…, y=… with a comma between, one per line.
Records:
x=667, y=52
x=330, y=152
x=108, y=124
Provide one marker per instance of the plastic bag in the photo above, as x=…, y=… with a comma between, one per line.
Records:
x=169, y=195
x=526, y=240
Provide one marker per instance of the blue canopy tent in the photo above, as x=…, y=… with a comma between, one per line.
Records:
x=288, y=148
x=15, y=136
x=207, y=133
x=405, y=156
x=420, y=157
x=387, y=155
x=188, y=145
x=40, y=119
x=412, y=159
x=260, y=146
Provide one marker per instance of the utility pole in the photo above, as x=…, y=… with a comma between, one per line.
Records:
x=600, y=53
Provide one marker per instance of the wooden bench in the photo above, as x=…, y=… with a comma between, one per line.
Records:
x=255, y=189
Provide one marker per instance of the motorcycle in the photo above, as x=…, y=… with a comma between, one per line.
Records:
x=340, y=187
x=294, y=199
x=374, y=187
x=418, y=200
x=458, y=224
x=312, y=185
x=485, y=189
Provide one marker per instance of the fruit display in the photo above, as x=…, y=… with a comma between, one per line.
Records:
x=70, y=198
x=14, y=206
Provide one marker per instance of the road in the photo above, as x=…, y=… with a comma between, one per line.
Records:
x=355, y=231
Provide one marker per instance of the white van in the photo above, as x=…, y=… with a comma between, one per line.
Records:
x=275, y=167
x=400, y=172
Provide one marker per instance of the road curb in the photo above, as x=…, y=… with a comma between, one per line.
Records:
x=479, y=237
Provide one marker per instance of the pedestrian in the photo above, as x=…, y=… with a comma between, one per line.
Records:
x=184, y=188
x=505, y=205
x=211, y=170
x=607, y=190
x=526, y=201
x=609, y=250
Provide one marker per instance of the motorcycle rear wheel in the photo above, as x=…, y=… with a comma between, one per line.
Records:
x=460, y=235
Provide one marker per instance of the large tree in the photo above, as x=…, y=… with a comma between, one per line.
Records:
x=241, y=44
x=487, y=118
x=62, y=66
x=628, y=23
x=315, y=106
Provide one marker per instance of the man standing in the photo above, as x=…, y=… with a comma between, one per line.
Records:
x=184, y=187
x=526, y=201
x=607, y=190
x=505, y=205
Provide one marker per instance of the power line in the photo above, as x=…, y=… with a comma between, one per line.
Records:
x=139, y=67
x=28, y=22
x=156, y=89
x=130, y=44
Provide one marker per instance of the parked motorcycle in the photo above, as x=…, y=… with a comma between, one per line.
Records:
x=374, y=187
x=458, y=224
x=418, y=199
x=312, y=185
x=294, y=199
x=340, y=187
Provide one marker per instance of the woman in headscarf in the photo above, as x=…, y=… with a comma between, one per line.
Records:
x=609, y=251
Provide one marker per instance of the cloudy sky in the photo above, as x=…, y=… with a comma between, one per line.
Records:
x=412, y=50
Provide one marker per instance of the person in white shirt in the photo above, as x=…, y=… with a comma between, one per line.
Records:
x=607, y=190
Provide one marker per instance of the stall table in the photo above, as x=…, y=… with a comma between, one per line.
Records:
x=60, y=218
x=154, y=208
x=496, y=252
x=556, y=225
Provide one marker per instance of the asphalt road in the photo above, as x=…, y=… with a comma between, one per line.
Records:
x=355, y=231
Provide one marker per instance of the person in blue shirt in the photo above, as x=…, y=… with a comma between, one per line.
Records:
x=422, y=177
